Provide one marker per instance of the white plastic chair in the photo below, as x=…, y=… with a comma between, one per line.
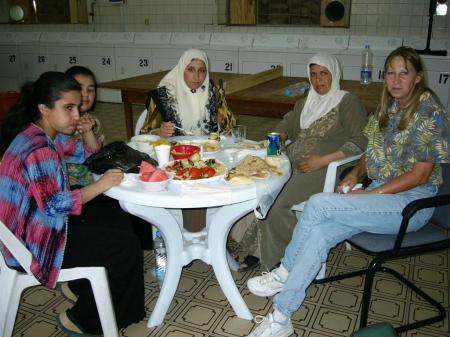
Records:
x=140, y=122
x=13, y=282
x=328, y=186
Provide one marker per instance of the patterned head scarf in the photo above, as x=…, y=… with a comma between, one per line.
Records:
x=191, y=105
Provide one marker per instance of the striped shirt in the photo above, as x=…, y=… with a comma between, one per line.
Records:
x=35, y=198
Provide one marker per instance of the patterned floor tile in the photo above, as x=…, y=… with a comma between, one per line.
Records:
x=337, y=322
x=203, y=317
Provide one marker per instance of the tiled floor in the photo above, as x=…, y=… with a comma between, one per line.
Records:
x=201, y=310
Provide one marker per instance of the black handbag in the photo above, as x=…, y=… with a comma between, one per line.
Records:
x=117, y=155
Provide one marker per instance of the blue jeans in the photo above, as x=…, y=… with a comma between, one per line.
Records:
x=330, y=218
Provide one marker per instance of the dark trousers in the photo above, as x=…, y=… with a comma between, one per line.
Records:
x=103, y=237
x=106, y=211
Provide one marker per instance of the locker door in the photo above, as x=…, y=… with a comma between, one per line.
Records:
x=166, y=58
x=101, y=61
x=439, y=82
x=223, y=61
x=132, y=61
x=297, y=63
x=34, y=60
x=62, y=57
x=437, y=75
x=256, y=61
x=10, y=69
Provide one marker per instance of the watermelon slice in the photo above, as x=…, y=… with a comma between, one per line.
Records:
x=146, y=168
x=145, y=176
x=158, y=175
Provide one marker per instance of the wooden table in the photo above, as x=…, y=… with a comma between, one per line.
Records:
x=264, y=95
x=268, y=99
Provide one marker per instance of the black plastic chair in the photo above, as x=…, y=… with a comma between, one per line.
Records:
x=432, y=237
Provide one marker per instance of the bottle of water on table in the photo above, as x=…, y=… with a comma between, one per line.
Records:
x=160, y=258
x=366, y=65
x=296, y=89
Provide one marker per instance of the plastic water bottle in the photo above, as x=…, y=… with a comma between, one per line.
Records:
x=296, y=89
x=366, y=65
x=160, y=258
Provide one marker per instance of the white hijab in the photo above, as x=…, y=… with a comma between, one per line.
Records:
x=191, y=106
x=317, y=106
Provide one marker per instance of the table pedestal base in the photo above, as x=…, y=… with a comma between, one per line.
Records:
x=182, y=246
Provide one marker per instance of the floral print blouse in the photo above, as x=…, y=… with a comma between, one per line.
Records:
x=392, y=152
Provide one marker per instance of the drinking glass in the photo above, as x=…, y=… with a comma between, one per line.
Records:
x=239, y=133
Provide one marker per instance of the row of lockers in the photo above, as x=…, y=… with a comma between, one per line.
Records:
x=112, y=56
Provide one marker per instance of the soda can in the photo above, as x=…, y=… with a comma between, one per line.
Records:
x=273, y=144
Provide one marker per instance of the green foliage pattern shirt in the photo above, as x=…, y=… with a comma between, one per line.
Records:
x=392, y=152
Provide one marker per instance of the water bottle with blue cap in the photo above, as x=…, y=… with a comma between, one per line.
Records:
x=297, y=89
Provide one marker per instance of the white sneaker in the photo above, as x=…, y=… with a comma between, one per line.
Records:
x=268, y=284
x=269, y=328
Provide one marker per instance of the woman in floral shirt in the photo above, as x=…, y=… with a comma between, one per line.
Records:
x=408, y=139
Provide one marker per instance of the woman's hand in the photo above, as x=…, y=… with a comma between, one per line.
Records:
x=167, y=129
x=348, y=183
x=110, y=178
x=85, y=124
x=311, y=163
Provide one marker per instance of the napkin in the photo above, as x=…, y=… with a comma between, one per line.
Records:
x=265, y=198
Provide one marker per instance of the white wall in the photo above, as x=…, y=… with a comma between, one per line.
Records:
x=403, y=18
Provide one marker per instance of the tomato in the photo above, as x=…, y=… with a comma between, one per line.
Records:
x=208, y=172
x=195, y=173
x=182, y=171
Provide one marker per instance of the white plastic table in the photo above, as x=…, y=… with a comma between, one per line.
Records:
x=225, y=204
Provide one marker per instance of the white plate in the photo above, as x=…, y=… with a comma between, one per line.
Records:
x=200, y=142
x=196, y=181
x=145, y=138
x=143, y=143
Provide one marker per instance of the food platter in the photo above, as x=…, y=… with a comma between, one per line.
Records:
x=182, y=169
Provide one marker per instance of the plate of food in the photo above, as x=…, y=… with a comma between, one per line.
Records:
x=146, y=143
x=209, y=145
x=250, y=168
x=196, y=170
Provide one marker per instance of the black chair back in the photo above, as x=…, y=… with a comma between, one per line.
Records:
x=441, y=216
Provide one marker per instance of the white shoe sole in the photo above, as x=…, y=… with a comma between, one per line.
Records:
x=262, y=293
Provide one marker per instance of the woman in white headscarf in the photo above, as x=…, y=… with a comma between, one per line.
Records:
x=325, y=126
x=187, y=102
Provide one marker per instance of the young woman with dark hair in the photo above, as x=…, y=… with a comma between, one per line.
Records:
x=36, y=202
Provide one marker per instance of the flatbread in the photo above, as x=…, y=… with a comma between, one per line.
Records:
x=253, y=167
x=240, y=179
x=275, y=163
x=253, y=146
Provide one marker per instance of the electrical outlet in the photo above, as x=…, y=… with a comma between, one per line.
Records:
x=147, y=21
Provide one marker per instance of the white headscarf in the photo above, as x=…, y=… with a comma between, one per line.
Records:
x=317, y=106
x=191, y=106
